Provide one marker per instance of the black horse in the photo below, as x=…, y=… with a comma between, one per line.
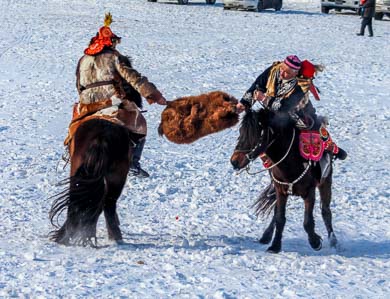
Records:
x=276, y=135
x=100, y=154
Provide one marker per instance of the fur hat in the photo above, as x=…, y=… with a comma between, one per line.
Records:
x=292, y=61
x=103, y=38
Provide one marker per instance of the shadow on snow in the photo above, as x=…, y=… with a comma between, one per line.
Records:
x=240, y=245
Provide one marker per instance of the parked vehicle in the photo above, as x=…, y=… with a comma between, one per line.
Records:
x=382, y=8
x=339, y=5
x=254, y=5
x=186, y=1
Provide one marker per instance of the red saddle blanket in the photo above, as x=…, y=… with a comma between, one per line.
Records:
x=311, y=145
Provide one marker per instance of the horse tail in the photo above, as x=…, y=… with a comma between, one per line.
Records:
x=265, y=202
x=83, y=198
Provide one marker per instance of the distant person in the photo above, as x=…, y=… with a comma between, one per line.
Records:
x=367, y=13
x=106, y=81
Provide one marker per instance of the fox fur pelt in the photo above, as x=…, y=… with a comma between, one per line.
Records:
x=187, y=119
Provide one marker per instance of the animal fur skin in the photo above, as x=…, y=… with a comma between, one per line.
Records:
x=187, y=119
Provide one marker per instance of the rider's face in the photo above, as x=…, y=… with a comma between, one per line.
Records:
x=287, y=73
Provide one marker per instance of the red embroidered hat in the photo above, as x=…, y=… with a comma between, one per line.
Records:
x=103, y=38
x=307, y=69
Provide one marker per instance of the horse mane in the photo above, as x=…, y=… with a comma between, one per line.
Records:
x=250, y=128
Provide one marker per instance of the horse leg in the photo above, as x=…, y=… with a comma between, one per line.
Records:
x=85, y=206
x=112, y=222
x=116, y=180
x=269, y=232
x=280, y=221
x=326, y=196
x=308, y=223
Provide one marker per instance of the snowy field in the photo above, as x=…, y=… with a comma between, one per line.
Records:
x=190, y=227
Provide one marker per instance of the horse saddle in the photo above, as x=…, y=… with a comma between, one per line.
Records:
x=126, y=114
x=311, y=145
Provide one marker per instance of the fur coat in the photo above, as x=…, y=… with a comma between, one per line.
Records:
x=111, y=89
x=101, y=77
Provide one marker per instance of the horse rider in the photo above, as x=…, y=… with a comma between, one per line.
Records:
x=107, y=82
x=284, y=87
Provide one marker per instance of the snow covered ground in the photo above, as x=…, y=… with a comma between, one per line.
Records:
x=211, y=249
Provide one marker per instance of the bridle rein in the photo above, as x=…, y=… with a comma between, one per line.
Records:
x=251, y=157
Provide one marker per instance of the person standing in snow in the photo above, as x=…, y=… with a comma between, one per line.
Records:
x=368, y=12
x=284, y=87
x=106, y=81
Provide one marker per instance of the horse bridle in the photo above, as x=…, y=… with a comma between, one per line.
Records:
x=290, y=185
x=247, y=168
x=259, y=147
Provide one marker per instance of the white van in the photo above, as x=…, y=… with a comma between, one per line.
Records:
x=339, y=5
x=254, y=5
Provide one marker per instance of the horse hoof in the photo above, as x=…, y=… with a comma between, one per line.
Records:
x=319, y=247
x=120, y=242
x=316, y=244
x=273, y=249
x=264, y=240
x=332, y=240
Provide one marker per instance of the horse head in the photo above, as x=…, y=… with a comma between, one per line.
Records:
x=258, y=131
x=251, y=140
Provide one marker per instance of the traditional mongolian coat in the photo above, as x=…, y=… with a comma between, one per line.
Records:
x=290, y=96
x=110, y=88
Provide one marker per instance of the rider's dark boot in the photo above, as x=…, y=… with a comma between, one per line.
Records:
x=135, y=168
x=341, y=154
x=137, y=171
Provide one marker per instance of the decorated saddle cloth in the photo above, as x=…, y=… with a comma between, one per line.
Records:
x=311, y=145
x=187, y=119
x=124, y=113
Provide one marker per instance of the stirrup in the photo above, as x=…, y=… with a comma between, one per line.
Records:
x=325, y=165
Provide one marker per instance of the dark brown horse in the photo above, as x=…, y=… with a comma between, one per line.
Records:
x=276, y=136
x=101, y=152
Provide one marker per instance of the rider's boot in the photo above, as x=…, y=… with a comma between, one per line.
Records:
x=341, y=154
x=135, y=167
x=331, y=146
